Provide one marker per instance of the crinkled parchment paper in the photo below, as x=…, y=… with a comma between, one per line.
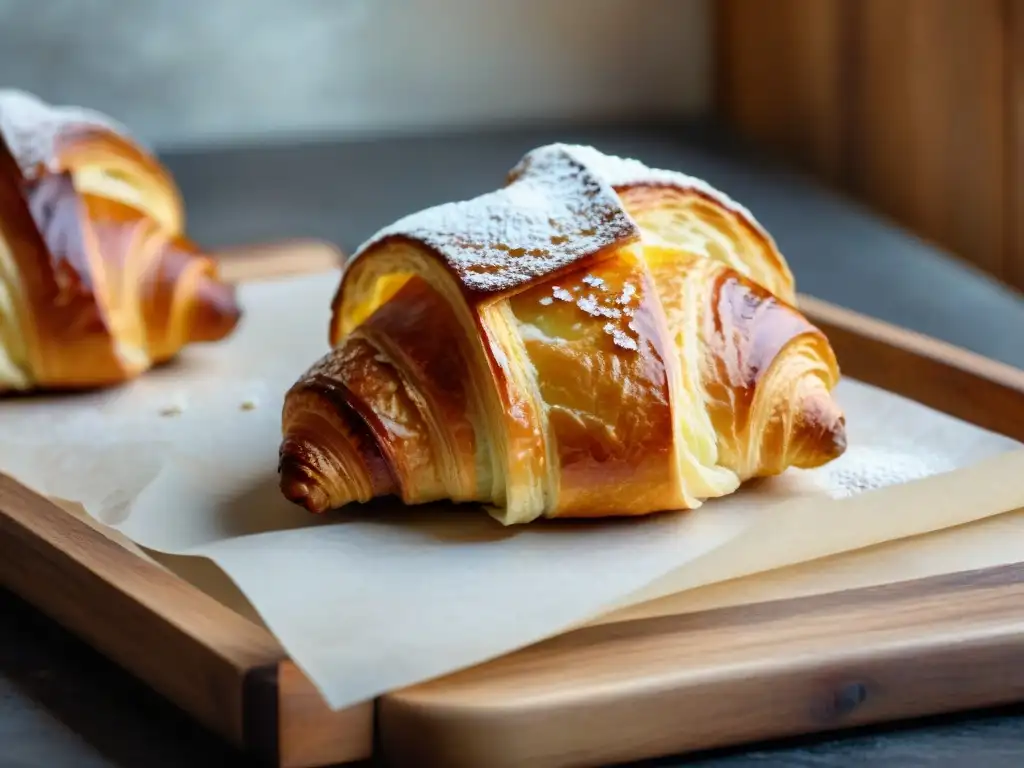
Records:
x=369, y=600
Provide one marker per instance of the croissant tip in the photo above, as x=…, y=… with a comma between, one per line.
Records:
x=300, y=487
x=827, y=433
x=307, y=495
x=216, y=312
x=838, y=447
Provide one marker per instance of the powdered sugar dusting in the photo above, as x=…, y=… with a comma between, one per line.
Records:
x=620, y=338
x=558, y=207
x=628, y=291
x=588, y=304
x=561, y=294
x=598, y=308
x=866, y=468
x=31, y=128
x=553, y=212
x=621, y=172
x=599, y=301
x=870, y=467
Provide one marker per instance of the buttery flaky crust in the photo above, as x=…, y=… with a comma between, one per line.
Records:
x=596, y=338
x=98, y=281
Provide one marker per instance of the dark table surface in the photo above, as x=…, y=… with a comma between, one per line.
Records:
x=61, y=704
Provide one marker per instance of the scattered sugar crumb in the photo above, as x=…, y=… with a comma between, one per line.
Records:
x=866, y=468
x=561, y=294
x=588, y=304
x=620, y=338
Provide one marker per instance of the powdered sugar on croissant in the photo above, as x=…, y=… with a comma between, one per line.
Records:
x=593, y=339
x=98, y=281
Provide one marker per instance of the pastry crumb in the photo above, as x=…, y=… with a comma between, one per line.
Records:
x=171, y=410
x=248, y=405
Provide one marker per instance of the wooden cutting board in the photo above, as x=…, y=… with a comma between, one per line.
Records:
x=610, y=693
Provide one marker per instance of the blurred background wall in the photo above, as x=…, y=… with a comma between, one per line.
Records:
x=915, y=107
x=182, y=72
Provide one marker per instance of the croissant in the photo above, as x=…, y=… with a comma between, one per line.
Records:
x=595, y=338
x=98, y=281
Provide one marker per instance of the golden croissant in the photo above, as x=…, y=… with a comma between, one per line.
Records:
x=596, y=338
x=98, y=281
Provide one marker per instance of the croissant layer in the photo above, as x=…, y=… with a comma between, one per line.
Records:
x=632, y=357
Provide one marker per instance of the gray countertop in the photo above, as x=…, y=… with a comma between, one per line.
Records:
x=61, y=704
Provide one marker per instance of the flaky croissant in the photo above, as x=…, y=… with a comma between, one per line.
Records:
x=594, y=339
x=98, y=281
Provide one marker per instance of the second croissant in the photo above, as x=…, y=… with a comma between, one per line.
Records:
x=98, y=279
x=595, y=338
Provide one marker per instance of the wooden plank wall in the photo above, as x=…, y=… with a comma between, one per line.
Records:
x=913, y=106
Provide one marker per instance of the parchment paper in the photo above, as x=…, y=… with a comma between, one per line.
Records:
x=993, y=541
x=184, y=462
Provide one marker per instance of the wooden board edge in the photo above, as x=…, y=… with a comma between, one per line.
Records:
x=276, y=260
x=252, y=695
x=834, y=317
x=129, y=608
x=261, y=714
x=309, y=733
x=673, y=706
x=948, y=378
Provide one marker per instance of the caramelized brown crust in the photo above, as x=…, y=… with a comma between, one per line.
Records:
x=598, y=352
x=647, y=372
x=766, y=373
x=101, y=280
x=329, y=456
x=402, y=386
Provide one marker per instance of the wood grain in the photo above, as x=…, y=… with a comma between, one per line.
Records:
x=623, y=692
x=310, y=733
x=903, y=123
x=1015, y=108
x=904, y=104
x=779, y=80
x=179, y=641
x=930, y=139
